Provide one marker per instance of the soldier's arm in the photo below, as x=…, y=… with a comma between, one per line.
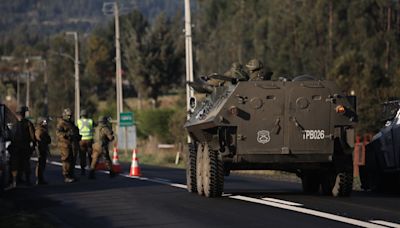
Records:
x=109, y=133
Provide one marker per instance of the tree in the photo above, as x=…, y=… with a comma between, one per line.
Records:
x=152, y=56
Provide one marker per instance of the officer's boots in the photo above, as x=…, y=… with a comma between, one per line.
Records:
x=91, y=174
x=112, y=173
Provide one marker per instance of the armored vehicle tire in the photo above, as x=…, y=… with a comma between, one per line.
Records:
x=191, y=168
x=213, y=173
x=199, y=169
x=310, y=182
x=337, y=184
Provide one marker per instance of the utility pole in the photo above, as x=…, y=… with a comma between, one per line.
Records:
x=189, y=58
x=28, y=84
x=118, y=63
x=115, y=9
x=76, y=63
x=18, y=89
x=46, y=90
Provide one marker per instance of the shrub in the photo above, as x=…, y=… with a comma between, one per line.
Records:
x=154, y=122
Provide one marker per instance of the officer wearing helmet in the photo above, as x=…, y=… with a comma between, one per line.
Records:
x=85, y=125
x=103, y=136
x=23, y=144
x=237, y=72
x=257, y=71
x=68, y=143
x=43, y=140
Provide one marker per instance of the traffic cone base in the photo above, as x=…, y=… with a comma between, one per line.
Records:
x=116, y=167
x=135, y=169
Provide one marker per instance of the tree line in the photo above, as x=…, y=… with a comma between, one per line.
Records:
x=355, y=43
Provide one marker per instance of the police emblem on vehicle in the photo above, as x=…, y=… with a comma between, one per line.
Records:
x=263, y=136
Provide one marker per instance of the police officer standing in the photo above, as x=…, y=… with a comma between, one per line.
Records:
x=43, y=140
x=85, y=126
x=104, y=135
x=23, y=144
x=67, y=137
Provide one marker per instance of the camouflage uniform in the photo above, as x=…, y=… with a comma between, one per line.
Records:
x=104, y=135
x=257, y=71
x=43, y=138
x=237, y=72
x=23, y=145
x=67, y=134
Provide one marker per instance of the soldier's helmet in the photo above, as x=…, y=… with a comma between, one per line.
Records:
x=22, y=110
x=84, y=113
x=254, y=64
x=237, y=72
x=104, y=119
x=67, y=113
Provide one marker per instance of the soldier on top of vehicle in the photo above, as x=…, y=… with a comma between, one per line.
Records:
x=257, y=71
x=237, y=72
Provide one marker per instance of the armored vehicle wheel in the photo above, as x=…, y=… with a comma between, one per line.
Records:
x=337, y=184
x=199, y=169
x=310, y=182
x=191, y=168
x=213, y=173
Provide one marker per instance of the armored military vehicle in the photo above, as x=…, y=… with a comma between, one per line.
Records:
x=304, y=126
x=381, y=171
x=7, y=120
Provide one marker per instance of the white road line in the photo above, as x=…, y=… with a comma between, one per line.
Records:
x=389, y=224
x=310, y=212
x=282, y=201
x=287, y=205
x=163, y=180
x=178, y=185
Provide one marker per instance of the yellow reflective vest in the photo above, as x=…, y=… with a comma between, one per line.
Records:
x=86, y=128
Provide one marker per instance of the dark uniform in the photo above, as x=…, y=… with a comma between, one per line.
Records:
x=257, y=71
x=104, y=135
x=68, y=141
x=85, y=126
x=22, y=144
x=43, y=140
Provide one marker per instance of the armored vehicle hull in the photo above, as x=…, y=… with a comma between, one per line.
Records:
x=302, y=126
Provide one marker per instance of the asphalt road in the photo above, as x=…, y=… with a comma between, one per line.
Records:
x=159, y=199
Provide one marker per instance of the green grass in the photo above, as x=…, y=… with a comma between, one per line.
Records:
x=159, y=159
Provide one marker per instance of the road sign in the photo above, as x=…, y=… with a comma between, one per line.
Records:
x=126, y=119
x=127, y=137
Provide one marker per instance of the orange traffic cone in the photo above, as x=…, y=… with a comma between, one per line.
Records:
x=116, y=167
x=135, y=169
